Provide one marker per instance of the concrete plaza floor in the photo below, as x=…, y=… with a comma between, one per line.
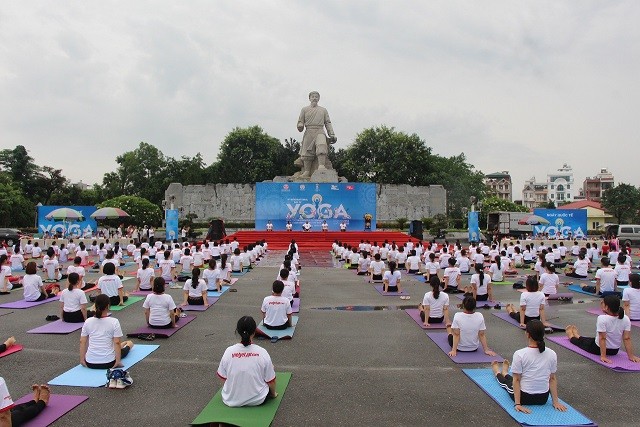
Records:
x=351, y=368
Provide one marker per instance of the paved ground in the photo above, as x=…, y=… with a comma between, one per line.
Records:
x=349, y=368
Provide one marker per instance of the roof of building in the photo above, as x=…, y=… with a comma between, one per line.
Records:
x=581, y=204
x=497, y=175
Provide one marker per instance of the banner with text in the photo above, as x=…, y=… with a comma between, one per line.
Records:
x=314, y=202
x=473, y=226
x=67, y=228
x=171, y=218
x=567, y=222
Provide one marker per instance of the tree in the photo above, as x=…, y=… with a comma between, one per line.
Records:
x=496, y=204
x=15, y=209
x=141, y=211
x=21, y=168
x=550, y=205
x=622, y=201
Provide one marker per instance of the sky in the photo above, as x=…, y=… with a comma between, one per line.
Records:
x=520, y=86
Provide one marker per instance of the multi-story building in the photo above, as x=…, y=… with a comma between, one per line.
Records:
x=499, y=184
x=594, y=187
x=560, y=187
x=534, y=194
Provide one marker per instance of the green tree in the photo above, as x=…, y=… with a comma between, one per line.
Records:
x=22, y=170
x=550, y=205
x=141, y=211
x=496, y=204
x=15, y=209
x=186, y=170
x=622, y=201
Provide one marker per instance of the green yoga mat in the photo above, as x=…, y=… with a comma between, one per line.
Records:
x=504, y=282
x=131, y=300
x=247, y=416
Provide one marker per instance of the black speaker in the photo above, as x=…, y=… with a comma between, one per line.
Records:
x=415, y=229
x=216, y=230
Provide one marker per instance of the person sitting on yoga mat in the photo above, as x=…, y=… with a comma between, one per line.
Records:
x=435, y=305
x=606, y=281
x=51, y=266
x=401, y=258
x=480, y=285
x=111, y=285
x=73, y=302
x=34, y=289
x=17, y=259
x=276, y=309
x=236, y=261
x=531, y=304
x=431, y=267
x=580, y=268
x=144, y=276
x=613, y=329
x=160, y=310
x=110, y=259
x=463, y=262
x=5, y=276
x=376, y=268
x=533, y=372
x=12, y=415
x=451, y=277
x=391, y=279
x=631, y=297
x=195, y=290
x=623, y=270
x=413, y=263
x=210, y=276
x=467, y=330
x=77, y=268
x=540, y=263
x=549, y=280
x=246, y=370
x=352, y=260
x=495, y=270
x=167, y=267
x=100, y=344
x=363, y=264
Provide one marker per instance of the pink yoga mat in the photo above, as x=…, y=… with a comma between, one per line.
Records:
x=379, y=288
x=13, y=349
x=414, y=313
x=598, y=312
x=163, y=333
x=56, y=327
x=478, y=356
x=59, y=404
x=621, y=362
x=480, y=303
x=141, y=293
x=200, y=307
x=296, y=305
x=27, y=304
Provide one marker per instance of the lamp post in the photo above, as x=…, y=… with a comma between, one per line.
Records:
x=38, y=206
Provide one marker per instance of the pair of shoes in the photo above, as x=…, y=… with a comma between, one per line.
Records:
x=175, y=286
x=51, y=318
x=147, y=337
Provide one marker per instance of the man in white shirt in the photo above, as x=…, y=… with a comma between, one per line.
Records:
x=276, y=309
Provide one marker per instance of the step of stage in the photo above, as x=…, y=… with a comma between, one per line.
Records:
x=317, y=240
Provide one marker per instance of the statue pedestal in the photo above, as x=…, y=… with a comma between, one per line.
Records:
x=324, y=175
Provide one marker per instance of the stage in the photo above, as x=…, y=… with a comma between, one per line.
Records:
x=317, y=240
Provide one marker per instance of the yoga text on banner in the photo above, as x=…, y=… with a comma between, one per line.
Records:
x=570, y=223
x=67, y=228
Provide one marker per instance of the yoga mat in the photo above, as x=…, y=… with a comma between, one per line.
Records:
x=190, y=307
x=541, y=415
x=367, y=279
x=296, y=305
x=238, y=274
x=379, y=288
x=414, y=313
x=504, y=282
x=21, y=304
x=247, y=416
x=128, y=302
x=162, y=333
x=598, y=312
x=217, y=294
x=420, y=278
x=141, y=293
x=556, y=296
x=281, y=334
x=95, y=288
x=577, y=288
x=79, y=376
x=13, y=349
x=480, y=304
x=57, y=327
x=504, y=316
x=620, y=362
x=478, y=356
x=59, y=404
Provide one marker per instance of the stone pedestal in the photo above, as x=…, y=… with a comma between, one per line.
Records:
x=324, y=175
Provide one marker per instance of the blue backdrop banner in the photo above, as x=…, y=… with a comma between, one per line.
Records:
x=71, y=229
x=171, y=217
x=298, y=202
x=474, y=227
x=565, y=221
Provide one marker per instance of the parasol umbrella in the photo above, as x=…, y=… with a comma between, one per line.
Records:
x=109, y=213
x=65, y=214
x=533, y=220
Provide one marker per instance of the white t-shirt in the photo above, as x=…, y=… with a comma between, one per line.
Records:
x=452, y=273
x=101, y=333
x=211, y=276
x=401, y=257
x=413, y=262
x=72, y=300
x=633, y=296
x=444, y=260
x=52, y=266
x=607, y=276
x=247, y=372
x=581, y=267
x=5, y=271
x=31, y=284
x=549, y=283
x=376, y=267
x=623, y=272
x=481, y=288
x=469, y=325
x=236, y=262
x=276, y=309
x=186, y=261
x=159, y=307
x=496, y=273
x=145, y=275
x=80, y=271
x=613, y=327
x=532, y=301
x=432, y=267
x=535, y=368
x=197, y=292
x=393, y=278
x=198, y=259
x=16, y=261
x=464, y=264
x=478, y=258
x=436, y=306
x=5, y=398
x=109, y=285
x=37, y=250
x=166, y=265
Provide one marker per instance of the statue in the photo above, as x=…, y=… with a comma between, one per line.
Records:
x=314, y=149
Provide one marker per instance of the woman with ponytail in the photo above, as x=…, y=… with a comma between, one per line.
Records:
x=613, y=329
x=435, y=304
x=534, y=372
x=195, y=290
x=224, y=273
x=73, y=301
x=246, y=370
x=5, y=276
x=480, y=288
x=531, y=304
x=391, y=278
x=100, y=339
x=145, y=276
x=495, y=270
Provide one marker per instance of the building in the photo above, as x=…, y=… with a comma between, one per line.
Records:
x=560, y=187
x=499, y=184
x=596, y=216
x=81, y=185
x=534, y=194
x=594, y=187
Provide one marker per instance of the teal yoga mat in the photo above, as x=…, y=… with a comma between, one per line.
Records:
x=216, y=294
x=281, y=334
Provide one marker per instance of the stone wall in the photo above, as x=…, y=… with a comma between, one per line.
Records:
x=236, y=202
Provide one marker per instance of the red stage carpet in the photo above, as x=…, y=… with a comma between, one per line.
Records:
x=317, y=240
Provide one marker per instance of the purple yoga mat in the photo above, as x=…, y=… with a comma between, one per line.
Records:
x=367, y=279
x=163, y=332
x=190, y=307
x=554, y=296
x=505, y=316
x=414, y=313
x=59, y=404
x=480, y=303
x=27, y=304
x=598, y=312
x=57, y=327
x=296, y=305
x=379, y=288
x=620, y=362
x=141, y=293
x=478, y=356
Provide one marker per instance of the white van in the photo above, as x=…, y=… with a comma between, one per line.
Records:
x=626, y=233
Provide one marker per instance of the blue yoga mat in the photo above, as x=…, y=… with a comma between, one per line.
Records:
x=578, y=289
x=281, y=334
x=541, y=415
x=80, y=376
x=217, y=294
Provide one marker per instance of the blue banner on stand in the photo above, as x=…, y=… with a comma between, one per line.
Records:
x=314, y=202
x=562, y=221
x=67, y=228
x=473, y=226
x=171, y=218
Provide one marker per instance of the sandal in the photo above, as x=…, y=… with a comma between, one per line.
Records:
x=147, y=337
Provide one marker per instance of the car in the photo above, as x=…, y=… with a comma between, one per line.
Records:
x=626, y=233
x=11, y=236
